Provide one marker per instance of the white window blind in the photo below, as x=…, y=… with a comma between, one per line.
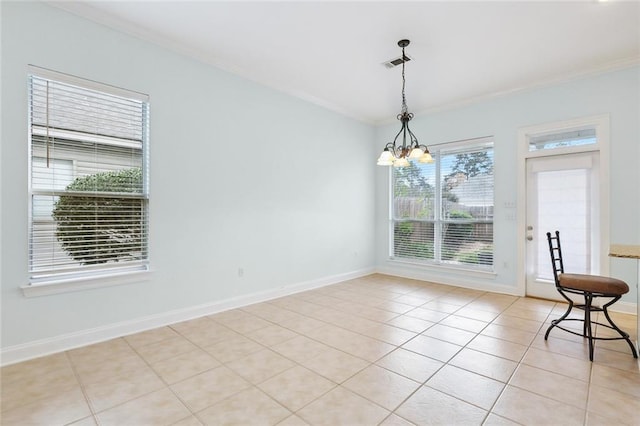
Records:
x=88, y=179
x=443, y=211
x=564, y=188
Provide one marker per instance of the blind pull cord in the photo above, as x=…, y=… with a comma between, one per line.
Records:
x=47, y=137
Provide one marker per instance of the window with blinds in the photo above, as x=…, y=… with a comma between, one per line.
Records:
x=442, y=212
x=88, y=183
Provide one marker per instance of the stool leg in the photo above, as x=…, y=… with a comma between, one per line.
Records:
x=622, y=333
x=588, y=298
x=557, y=321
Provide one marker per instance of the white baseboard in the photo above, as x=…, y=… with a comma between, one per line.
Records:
x=620, y=306
x=624, y=307
x=26, y=351
x=469, y=279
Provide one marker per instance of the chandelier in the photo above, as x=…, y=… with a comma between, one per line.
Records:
x=399, y=155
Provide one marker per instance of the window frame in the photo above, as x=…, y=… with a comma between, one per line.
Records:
x=601, y=124
x=50, y=281
x=438, y=220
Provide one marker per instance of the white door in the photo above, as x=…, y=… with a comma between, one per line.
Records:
x=562, y=193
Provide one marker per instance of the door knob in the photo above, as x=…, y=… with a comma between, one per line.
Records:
x=529, y=237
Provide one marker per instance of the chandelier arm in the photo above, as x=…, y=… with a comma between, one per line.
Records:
x=414, y=139
x=395, y=150
x=389, y=146
x=396, y=137
x=404, y=136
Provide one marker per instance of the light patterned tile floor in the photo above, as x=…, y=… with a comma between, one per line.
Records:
x=374, y=350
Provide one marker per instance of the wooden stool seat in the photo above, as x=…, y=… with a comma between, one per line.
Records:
x=594, y=284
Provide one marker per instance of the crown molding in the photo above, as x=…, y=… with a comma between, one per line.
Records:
x=539, y=84
x=84, y=10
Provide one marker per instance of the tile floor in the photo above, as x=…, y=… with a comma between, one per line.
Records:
x=374, y=350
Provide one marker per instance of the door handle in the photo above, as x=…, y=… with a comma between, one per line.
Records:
x=529, y=237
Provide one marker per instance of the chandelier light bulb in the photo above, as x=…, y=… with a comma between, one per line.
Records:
x=416, y=153
x=386, y=158
x=401, y=162
x=426, y=158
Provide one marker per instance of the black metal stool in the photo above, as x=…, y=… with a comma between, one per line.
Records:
x=590, y=287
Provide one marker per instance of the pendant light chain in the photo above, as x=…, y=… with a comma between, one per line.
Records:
x=404, y=108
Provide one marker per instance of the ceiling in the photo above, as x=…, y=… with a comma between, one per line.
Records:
x=332, y=52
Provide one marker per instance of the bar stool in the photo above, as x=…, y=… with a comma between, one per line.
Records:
x=590, y=287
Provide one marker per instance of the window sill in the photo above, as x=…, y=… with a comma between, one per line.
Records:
x=445, y=267
x=45, y=288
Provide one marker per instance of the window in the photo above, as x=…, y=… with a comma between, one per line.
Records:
x=88, y=183
x=570, y=138
x=443, y=211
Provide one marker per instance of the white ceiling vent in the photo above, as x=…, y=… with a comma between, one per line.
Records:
x=397, y=61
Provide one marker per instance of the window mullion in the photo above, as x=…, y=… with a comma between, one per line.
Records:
x=437, y=229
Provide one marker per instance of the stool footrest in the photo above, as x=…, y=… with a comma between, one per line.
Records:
x=623, y=336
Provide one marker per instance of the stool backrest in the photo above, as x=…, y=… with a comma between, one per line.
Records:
x=556, y=255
